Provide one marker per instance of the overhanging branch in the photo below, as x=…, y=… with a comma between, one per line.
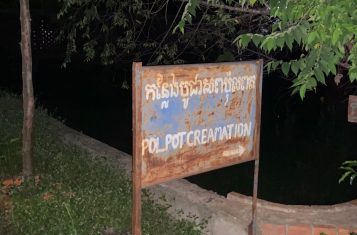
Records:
x=261, y=11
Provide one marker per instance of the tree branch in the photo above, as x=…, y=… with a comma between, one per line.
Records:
x=344, y=65
x=261, y=11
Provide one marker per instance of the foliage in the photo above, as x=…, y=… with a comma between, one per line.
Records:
x=75, y=193
x=187, y=15
x=350, y=171
x=119, y=32
x=322, y=30
x=90, y=21
x=320, y=34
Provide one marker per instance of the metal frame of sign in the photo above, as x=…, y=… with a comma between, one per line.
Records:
x=161, y=150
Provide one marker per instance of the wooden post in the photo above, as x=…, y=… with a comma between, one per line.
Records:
x=254, y=225
x=27, y=88
x=136, y=212
x=136, y=173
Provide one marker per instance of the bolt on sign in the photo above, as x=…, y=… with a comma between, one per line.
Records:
x=352, y=108
x=190, y=119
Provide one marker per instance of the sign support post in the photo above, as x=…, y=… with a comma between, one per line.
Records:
x=136, y=173
x=254, y=224
x=255, y=195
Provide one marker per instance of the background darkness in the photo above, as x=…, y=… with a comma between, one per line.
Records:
x=302, y=143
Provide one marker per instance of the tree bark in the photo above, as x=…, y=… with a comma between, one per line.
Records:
x=27, y=88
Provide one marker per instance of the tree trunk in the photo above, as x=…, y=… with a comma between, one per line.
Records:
x=27, y=88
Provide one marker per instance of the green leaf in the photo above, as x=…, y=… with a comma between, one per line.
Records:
x=295, y=90
x=302, y=91
x=347, y=168
x=272, y=65
x=297, y=35
x=352, y=178
x=312, y=36
x=311, y=83
x=289, y=39
x=350, y=163
x=275, y=10
x=302, y=63
x=298, y=82
x=335, y=36
x=351, y=57
x=311, y=58
x=341, y=48
x=285, y=67
x=319, y=75
x=352, y=73
x=252, y=2
x=324, y=67
x=332, y=68
x=295, y=67
x=269, y=66
x=268, y=44
x=275, y=64
x=192, y=8
x=256, y=38
x=181, y=26
x=344, y=176
x=14, y=140
x=189, y=19
x=244, y=40
x=302, y=29
x=280, y=41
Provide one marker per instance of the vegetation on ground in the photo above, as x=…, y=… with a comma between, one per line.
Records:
x=72, y=192
x=350, y=168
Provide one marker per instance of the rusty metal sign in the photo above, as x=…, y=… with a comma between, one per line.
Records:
x=189, y=119
x=195, y=118
x=352, y=108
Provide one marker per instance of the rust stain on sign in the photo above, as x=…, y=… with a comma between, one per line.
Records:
x=352, y=108
x=195, y=118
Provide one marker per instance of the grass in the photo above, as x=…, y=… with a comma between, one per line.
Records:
x=74, y=192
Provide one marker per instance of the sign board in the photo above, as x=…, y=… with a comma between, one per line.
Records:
x=352, y=108
x=190, y=119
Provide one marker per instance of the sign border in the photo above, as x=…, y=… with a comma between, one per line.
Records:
x=136, y=172
x=137, y=113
